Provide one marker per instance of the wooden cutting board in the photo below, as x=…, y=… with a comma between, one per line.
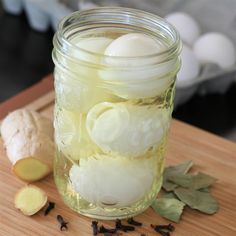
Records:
x=211, y=154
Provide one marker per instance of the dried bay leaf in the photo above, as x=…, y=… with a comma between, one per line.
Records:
x=183, y=180
x=169, y=208
x=202, y=180
x=206, y=190
x=202, y=201
x=170, y=171
x=168, y=186
x=197, y=181
x=169, y=195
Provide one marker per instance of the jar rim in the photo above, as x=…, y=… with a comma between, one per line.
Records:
x=172, y=50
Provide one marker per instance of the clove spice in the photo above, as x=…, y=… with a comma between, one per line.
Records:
x=95, y=227
x=125, y=228
x=104, y=230
x=169, y=227
x=160, y=229
x=108, y=234
x=131, y=221
x=62, y=223
x=111, y=234
x=161, y=232
x=51, y=205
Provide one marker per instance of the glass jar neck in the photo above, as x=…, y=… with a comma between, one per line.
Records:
x=119, y=19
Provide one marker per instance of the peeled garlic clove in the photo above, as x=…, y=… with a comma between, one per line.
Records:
x=102, y=179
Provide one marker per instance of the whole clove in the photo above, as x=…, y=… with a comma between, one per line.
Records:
x=95, y=227
x=108, y=234
x=131, y=221
x=169, y=227
x=160, y=231
x=62, y=223
x=51, y=205
x=104, y=230
x=125, y=228
x=112, y=234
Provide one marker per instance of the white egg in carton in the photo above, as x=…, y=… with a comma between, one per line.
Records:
x=208, y=60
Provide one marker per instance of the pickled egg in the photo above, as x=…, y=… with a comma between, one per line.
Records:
x=134, y=45
x=107, y=180
x=94, y=45
x=126, y=130
x=73, y=94
x=128, y=66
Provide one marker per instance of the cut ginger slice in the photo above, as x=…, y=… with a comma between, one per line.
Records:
x=30, y=169
x=30, y=199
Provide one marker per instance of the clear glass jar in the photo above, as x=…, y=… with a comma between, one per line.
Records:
x=112, y=113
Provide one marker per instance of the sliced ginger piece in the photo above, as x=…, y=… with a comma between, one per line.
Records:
x=30, y=199
x=30, y=169
x=27, y=135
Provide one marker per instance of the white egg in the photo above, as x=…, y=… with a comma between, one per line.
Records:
x=190, y=66
x=186, y=25
x=215, y=48
x=102, y=179
x=94, y=45
x=126, y=130
x=72, y=92
x=132, y=77
x=70, y=132
x=134, y=45
x=85, y=5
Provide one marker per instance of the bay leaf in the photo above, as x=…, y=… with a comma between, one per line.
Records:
x=169, y=195
x=202, y=201
x=197, y=181
x=169, y=208
x=182, y=168
x=206, y=190
x=183, y=180
x=168, y=185
x=202, y=180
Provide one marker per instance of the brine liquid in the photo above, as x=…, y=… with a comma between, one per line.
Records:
x=110, y=143
x=65, y=161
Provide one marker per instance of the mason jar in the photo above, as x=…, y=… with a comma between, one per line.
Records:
x=115, y=71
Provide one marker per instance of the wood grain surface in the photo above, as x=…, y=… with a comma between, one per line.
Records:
x=211, y=154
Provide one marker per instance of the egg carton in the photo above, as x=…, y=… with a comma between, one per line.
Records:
x=41, y=14
x=212, y=15
x=212, y=79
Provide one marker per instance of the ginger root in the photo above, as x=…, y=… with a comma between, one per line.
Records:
x=30, y=199
x=28, y=138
